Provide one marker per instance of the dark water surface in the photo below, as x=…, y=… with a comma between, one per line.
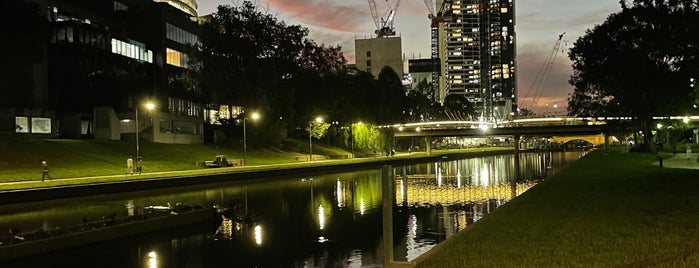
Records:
x=332, y=220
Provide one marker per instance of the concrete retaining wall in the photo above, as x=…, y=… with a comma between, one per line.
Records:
x=50, y=244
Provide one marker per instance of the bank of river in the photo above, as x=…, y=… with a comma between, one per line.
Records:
x=609, y=209
x=262, y=172
x=306, y=220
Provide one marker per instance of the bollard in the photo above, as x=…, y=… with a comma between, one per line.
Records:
x=660, y=161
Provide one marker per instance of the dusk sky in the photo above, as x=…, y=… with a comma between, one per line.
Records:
x=538, y=24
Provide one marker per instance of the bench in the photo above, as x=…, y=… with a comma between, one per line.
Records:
x=223, y=161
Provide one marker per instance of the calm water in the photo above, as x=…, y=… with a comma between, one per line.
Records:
x=332, y=220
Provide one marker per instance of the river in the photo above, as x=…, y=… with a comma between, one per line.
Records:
x=330, y=220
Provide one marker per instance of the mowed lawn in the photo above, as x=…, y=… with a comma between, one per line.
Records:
x=606, y=210
x=20, y=159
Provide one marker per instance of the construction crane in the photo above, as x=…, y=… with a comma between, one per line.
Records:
x=444, y=13
x=438, y=44
x=544, y=72
x=384, y=27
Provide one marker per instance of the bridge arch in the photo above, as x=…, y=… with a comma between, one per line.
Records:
x=595, y=140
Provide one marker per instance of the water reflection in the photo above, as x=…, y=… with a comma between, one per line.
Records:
x=327, y=220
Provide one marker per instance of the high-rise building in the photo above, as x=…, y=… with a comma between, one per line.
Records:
x=187, y=6
x=476, y=51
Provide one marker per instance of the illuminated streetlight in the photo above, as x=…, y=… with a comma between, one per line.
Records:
x=310, y=141
x=149, y=106
x=254, y=117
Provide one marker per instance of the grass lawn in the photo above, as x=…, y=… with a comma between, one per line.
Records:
x=71, y=160
x=20, y=158
x=606, y=210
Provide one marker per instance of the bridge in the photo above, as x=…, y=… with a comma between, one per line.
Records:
x=557, y=129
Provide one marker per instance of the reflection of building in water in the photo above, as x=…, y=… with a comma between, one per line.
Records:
x=422, y=191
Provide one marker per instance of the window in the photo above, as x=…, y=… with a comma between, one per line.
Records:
x=120, y=6
x=176, y=58
x=368, y=54
x=178, y=35
x=368, y=63
x=134, y=50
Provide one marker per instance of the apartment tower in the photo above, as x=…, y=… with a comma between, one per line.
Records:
x=474, y=41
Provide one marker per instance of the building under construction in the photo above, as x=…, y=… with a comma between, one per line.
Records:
x=474, y=43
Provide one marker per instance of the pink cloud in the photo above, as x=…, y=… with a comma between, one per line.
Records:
x=339, y=16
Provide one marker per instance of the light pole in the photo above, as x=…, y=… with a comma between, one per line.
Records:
x=310, y=141
x=149, y=106
x=254, y=116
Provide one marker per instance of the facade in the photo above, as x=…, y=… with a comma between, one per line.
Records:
x=420, y=71
x=186, y=6
x=476, y=50
x=104, y=61
x=371, y=55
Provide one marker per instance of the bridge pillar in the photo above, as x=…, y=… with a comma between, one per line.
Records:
x=513, y=183
x=428, y=145
x=387, y=196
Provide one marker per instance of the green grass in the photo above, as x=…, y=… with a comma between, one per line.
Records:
x=20, y=158
x=105, y=161
x=606, y=210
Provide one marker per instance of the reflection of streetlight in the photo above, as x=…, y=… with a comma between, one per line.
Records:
x=254, y=116
x=150, y=107
x=310, y=141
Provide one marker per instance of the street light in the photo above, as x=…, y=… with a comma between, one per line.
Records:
x=310, y=142
x=150, y=107
x=254, y=116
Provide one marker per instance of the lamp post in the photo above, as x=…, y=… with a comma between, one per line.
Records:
x=310, y=141
x=254, y=116
x=149, y=106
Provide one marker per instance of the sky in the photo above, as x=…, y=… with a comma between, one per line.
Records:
x=537, y=26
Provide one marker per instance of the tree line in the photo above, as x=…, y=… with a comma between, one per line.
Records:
x=252, y=59
x=640, y=62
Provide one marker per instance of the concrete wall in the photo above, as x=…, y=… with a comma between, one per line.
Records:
x=107, y=125
x=164, y=129
x=383, y=52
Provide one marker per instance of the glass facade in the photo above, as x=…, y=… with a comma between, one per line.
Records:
x=184, y=107
x=178, y=35
x=132, y=49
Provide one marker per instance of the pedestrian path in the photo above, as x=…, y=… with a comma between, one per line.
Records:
x=680, y=161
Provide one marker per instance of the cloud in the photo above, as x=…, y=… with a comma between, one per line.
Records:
x=342, y=16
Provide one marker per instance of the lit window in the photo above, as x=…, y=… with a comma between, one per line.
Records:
x=174, y=57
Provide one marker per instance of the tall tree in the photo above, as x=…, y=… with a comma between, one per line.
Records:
x=638, y=62
x=252, y=59
x=390, y=95
x=25, y=35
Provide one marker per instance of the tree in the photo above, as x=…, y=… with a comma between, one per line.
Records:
x=457, y=107
x=524, y=112
x=25, y=35
x=390, y=96
x=252, y=59
x=317, y=129
x=637, y=63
